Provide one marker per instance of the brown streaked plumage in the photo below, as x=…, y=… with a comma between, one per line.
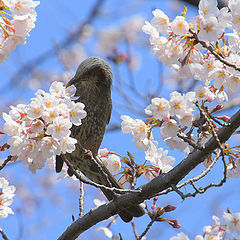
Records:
x=93, y=81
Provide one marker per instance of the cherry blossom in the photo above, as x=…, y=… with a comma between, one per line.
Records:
x=41, y=129
x=179, y=26
x=233, y=220
x=159, y=108
x=6, y=198
x=23, y=16
x=110, y=160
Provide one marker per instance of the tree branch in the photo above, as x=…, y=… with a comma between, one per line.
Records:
x=153, y=187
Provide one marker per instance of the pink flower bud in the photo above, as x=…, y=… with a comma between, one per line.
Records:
x=217, y=108
x=174, y=223
x=103, y=152
x=169, y=208
x=224, y=118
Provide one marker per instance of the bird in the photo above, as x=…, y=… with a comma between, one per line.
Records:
x=93, y=82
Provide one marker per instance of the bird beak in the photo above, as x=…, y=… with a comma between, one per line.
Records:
x=71, y=82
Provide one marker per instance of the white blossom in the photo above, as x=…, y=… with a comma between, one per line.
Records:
x=208, y=8
x=159, y=108
x=51, y=113
x=16, y=145
x=49, y=147
x=103, y=152
x=77, y=113
x=127, y=124
x=6, y=198
x=233, y=41
x=186, y=119
x=158, y=158
x=215, y=231
x=35, y=109
x=67, y=144
x=148, y=28
x=233, y=220
x=112, y=162
x=177, y=104
x=37, y=126
x=160, y=21
x=172, y=52
x=221, y=96
x=169, y=129
x=60, y=128
x=233, y=170
x=225, y=17
x=108, y=233
x=235, y=9
x=233, y=83
x=175, y=142
x=210, y=29
x=220, y=75
x=204, y=93
x=138, y=129
x=10, y=126
x=179, y=26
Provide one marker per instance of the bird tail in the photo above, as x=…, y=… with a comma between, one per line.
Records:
x=96, y=175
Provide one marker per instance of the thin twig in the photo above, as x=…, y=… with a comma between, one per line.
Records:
x=198, y=190
x=97, y=161
x=208, y=47
x=204, y=189
x=217, y=121
x=175, y=188
x=191, y=143
x=192, y=180
x=9, y=158
x=4, y=236
x=78, y=176
x=81, y=199
x=133, y=182
x=134, y=229
x=218, y=142
x=120, y=236
x=205, y=115
x=148, y=227
x=203, y=174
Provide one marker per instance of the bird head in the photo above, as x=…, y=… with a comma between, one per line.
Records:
x=94, y=72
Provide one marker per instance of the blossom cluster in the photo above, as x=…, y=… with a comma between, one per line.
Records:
x=218, y=230
x=14, y=32
x=184, y=47
x=41, y=129
x=200, y=50
x=171, y=116
x=6, y=197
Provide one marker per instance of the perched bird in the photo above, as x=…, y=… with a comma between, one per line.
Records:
x=93, y=81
